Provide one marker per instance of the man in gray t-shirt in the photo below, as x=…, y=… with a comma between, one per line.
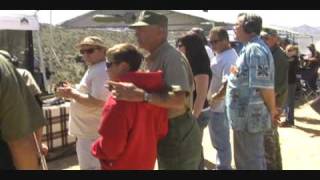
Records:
x=181, y=149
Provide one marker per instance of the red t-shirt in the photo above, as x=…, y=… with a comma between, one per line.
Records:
x=130, y=131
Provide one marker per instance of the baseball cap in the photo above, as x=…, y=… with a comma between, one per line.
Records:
x=92, y=41
x=268, y=32
x=311, y=46
x=148, y=18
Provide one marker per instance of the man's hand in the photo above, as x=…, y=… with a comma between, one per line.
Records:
x=126, y=91
x=234, y=70
x=275, y=115
x=64, y=89
x=215, y=97
x=66, y=92
x=44, y=149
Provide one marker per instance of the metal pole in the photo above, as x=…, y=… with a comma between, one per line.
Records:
x=41, y=62
x=42, y=158
x=29, y=54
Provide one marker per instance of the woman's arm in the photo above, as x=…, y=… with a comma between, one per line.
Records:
x=202, y=83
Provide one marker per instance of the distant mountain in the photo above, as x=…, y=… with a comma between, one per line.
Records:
x=309, y=30
x=314, y=31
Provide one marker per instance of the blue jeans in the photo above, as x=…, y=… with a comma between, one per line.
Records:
x=290, y=103
x=249, y=150
x=220, y=139
x=203, y=120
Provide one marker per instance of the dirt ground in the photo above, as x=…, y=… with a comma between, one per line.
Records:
x=299, y=145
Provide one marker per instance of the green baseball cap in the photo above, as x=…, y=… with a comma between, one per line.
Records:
x=268, y=32
x=311, y=46
x=148, y=18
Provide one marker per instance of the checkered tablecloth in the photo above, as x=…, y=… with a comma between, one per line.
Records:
x=55, y=134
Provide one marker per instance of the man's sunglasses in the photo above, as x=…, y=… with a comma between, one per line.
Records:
x=109, y=64
x=179, y=45
x=214, y=41
x=87, y=51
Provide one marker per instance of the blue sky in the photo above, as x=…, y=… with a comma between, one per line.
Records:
x=287, y=18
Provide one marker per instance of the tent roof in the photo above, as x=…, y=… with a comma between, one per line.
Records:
x=177, y=21
x=18, y=22
x=287, y=31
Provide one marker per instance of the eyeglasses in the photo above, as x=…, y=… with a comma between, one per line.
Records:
x=180, y=45
x=109, y=64
x=87, y=51
x=292, y=50
x=214, y=41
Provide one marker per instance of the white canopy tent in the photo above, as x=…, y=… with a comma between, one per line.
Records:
x=24, y=22
x=19, y=22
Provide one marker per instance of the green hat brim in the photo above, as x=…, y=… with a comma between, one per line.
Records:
x=139, y=24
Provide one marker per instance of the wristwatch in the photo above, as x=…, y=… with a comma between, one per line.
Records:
x=146, y=97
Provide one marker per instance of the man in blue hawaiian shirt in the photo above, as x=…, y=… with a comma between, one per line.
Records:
x=250, y=98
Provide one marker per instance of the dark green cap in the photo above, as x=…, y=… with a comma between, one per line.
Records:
x=311, y=46
x=148, y=18
x=268, y=32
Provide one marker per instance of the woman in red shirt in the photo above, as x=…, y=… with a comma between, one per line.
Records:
x=130, y=131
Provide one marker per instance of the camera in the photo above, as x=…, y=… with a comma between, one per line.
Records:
x=60, y=84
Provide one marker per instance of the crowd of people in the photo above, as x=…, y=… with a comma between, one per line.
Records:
x=131, y=110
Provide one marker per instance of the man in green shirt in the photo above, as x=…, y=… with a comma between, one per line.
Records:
x=281, y=64
x=181, y=148
x=20, y=116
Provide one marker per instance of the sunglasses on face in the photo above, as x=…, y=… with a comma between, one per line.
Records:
x=179, y=46
x=214, y=41
x=109, y=64
x=87, y=51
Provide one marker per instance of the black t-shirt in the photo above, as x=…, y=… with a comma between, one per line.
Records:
x=198, y=68
x=315, y=64
x=293, y=69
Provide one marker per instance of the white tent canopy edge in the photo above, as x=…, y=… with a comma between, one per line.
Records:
x=19, y=22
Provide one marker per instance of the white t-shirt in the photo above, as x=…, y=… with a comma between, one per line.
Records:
x=84, y=120
x=220, y=70
x=210, y=53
